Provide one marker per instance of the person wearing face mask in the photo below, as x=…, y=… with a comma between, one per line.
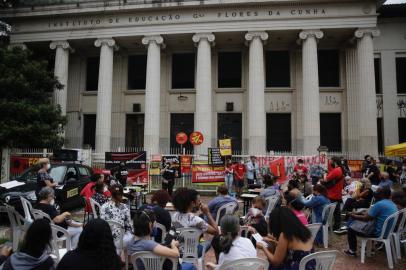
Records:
x=334, y=183
x=300, y=169
x=239, y=173
x=46, y=201
x=43, y=177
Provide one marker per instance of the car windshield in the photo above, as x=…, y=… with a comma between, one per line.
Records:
x=57, y=173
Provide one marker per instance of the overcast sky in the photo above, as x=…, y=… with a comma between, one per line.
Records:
x=395, y=1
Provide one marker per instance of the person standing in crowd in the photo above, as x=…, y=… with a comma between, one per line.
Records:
x=232, y=246
x=228, y=176
x=121, y=173
x=95, y=251
x=386, y=182
x=117, y=211
x=158, y=203
x=316, y=173
x=393, y=175
x=300, y=168
x=252, y=169
x=239, y=173
x=372, y=172
x=293, y=242
x=379, y=212
x=334, y=182
x=46, y=203
x=402, y=173
x=169, y=173
x=43, y=177
x=222, y=199
x=33, y=253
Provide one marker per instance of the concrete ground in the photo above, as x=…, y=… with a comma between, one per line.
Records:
x=337, y=242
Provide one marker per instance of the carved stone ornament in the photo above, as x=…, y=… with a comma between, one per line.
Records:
x=318, y=34
x=373, y=32
x=251, y=35
x=159, y=40
x=62, y=44
x=199, y=36
x=106, y=41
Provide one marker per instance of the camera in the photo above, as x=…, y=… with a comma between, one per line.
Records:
x=173, y=235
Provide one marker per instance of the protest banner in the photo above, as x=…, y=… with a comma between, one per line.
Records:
x=174, y=160
x=136, y=163
x=225, y=147
x=355, y=168
x=277, y=168
x=19, y=164
x=207, y=174
x=214, y=156
x=185, y=164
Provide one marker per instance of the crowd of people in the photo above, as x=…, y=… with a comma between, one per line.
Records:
x=285, y=238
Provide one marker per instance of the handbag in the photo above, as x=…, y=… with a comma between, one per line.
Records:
x=364, y=227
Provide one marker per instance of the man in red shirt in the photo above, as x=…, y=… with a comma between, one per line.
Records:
x=334, y=182
x=239, y=173
x=300, y=169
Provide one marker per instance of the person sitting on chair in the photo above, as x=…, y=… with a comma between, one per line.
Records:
x=222, y=199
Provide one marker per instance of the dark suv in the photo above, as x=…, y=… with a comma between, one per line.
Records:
x=70, y=178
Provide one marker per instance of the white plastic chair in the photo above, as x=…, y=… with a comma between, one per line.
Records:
x=226, y=209
x=314, y=229
x=385, y=237
x=93, y=205
x=38, y=214
x=327, y=218
x=18, y=225
x=151, y=261
x=120, y=247
x=399, y=232
x=190, y=245
x=162, y=228
x=246, y=263
x=27, y=206
x=324, y=260
x=60, y=235
x=271, y=202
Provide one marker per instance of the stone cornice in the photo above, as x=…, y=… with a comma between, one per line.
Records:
x=158, y=39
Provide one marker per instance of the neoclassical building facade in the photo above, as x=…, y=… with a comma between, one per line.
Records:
x=272, y=75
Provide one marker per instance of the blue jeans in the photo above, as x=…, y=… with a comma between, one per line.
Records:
x=228, y=179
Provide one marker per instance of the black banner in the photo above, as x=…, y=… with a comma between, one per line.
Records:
x=214, y=156
x=175, y=162
x=133, y=160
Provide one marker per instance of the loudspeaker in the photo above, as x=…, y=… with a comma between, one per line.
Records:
x=136, y=107
x=229, y=106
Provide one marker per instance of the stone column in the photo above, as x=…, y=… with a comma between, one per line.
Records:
x=61, y=72
x=311, y=93
x=104, y=94
x=368, y=138
x=203, y=114
x=152, y=94
x=256, y=96
x=352, y=102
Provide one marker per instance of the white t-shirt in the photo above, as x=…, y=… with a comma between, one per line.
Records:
x=189, y=220
x=242, y=248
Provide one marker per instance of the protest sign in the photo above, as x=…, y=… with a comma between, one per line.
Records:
x=225, y=147
x=185, y=164
x=207, y=174
x=174, y=160
x=214, y=156
x=133, y=160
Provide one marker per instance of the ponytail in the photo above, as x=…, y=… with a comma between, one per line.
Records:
x=230, y=228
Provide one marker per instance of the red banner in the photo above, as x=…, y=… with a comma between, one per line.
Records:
x=355, y=167
x=19, y=164
x=277, y=167
x=140, y=176
x=185, y=164
x=207, y=174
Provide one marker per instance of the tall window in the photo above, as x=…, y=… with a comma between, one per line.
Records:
x=183, y=70
x=134, y=130
x=229, y=125
x=277, y=66
x=400, y=74
x=378, y=82
x=229, y=69
x=89, y=130
x=330, y=131
x=329, y=68
x=278, y=132
x=181, y=122
x=92, y=73
x=379, y=125
x=137, y=72
x=402, y=130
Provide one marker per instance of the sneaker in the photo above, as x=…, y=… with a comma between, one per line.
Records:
x=350, y=253
x=340, y=231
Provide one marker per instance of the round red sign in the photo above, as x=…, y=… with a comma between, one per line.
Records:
x=196, y=138
x=181, y=138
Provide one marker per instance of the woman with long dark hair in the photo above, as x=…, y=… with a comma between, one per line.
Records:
x=32, y=255
x=293, y=240
x=95, y=251
x=232, y=246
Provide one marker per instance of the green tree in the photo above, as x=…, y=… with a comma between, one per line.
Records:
x=27, y=115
